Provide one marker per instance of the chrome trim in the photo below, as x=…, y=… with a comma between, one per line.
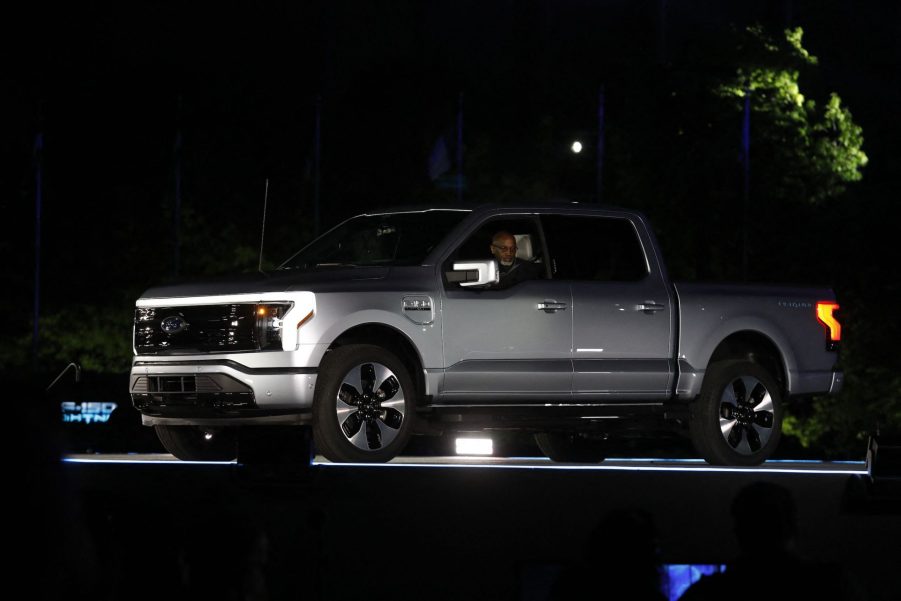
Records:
x=295, y=419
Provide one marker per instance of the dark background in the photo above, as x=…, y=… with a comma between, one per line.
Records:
x=112, y=87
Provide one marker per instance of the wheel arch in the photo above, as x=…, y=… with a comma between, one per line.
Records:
x=391, y=339
x=756, y=347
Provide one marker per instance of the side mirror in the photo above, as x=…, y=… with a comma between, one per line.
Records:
x=474, y=273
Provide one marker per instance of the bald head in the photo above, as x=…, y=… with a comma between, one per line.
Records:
x=503, y=247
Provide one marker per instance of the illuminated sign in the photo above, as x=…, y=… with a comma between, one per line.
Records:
x=87, y=413
x=474, y=446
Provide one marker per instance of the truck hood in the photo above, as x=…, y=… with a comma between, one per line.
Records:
x=276, y=281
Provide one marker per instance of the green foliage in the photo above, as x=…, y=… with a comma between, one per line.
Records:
x=800, y=152
x=837, y=141
x=97, y=338
x=836, y=426
x=870, y=400
x=212, y=248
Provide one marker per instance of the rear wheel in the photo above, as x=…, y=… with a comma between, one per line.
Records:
x=364, y=405
x=197, y=443
x=571, y=447
x=737, y=419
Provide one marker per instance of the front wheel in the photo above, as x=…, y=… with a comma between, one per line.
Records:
x=364, y=405
x=196, y=443
x=737, y=419
x=570, y=447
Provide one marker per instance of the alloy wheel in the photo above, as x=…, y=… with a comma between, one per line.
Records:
x=747, y=415
x=370, y=406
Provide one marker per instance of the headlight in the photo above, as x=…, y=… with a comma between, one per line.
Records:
x=145, y=314
x=269, y=318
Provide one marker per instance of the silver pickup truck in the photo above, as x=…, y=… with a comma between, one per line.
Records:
x=557, y=320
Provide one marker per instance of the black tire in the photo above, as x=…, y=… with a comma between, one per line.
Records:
x=571, y=447
x=364, y=406
x=196, y=443
x=737, y=419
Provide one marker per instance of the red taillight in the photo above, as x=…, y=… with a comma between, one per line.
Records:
x=826, y=316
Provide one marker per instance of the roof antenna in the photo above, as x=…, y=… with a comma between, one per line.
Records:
x=263, y=233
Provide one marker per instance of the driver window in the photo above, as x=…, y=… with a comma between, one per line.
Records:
x=514, y=243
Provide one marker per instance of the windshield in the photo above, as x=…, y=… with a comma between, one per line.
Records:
x=390, y=239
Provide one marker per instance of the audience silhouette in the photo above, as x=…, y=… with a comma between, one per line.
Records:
x=769, y=565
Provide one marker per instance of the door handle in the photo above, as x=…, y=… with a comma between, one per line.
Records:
x=649, y=307
x=550, y=306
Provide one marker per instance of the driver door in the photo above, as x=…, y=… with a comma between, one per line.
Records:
x=511, y=345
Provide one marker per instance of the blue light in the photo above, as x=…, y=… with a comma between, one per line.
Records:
x=87, y=413
x=678, y=577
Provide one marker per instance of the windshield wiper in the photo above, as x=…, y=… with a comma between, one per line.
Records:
x=317, y=265
x=308, y=266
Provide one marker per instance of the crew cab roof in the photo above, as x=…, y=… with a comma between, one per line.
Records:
x=473, y=206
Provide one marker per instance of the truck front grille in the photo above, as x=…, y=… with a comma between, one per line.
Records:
x=213, y=391
x=190, y=330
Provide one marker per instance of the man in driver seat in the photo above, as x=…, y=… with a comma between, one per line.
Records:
x=511, y=268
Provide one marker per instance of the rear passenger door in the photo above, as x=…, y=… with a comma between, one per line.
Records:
x=621, y=309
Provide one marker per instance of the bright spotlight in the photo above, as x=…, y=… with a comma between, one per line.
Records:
x=474, y=446
x=576, y=147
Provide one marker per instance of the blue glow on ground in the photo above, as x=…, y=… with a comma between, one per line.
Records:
x=143, y=461
x=631, y=464
x=622, y=468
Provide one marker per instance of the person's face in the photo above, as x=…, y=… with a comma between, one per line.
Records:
x=504, y=249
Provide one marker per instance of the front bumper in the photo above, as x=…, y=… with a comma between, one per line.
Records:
x=195, y=391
